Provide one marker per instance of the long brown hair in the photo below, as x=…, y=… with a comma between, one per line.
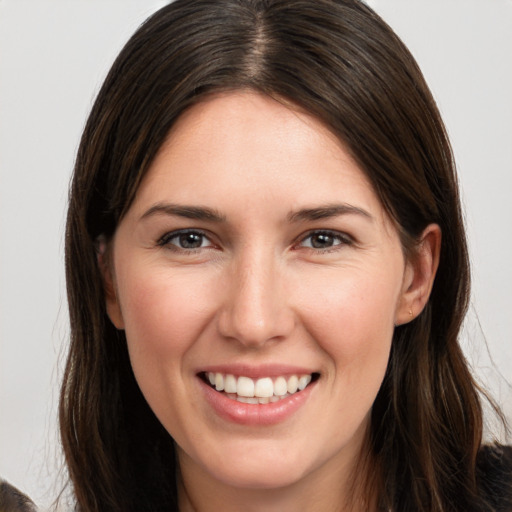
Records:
x=339, y=61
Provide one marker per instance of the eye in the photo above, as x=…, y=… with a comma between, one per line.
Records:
x=322, y=240
x=185, y=240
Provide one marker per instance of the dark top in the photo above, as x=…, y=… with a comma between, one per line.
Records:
x=494, y=473
x=12, y=500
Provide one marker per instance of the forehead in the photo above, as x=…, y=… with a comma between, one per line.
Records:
x=253, y=123
x=242, y=149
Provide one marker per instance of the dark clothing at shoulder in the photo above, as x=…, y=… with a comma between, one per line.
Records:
x=13, y=500
x=494, y=474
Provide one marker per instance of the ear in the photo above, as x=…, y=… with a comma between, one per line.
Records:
x=419, y=274
x=104, y=259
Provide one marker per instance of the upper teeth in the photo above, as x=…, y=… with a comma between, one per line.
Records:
x=265, y=387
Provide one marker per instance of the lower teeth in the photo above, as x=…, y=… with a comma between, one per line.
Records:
x=255, y=399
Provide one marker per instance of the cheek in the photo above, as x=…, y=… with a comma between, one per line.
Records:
x=164, y=313
x=353, y=323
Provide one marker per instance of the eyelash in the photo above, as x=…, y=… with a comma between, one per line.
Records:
x=342, y=238
x=165, y=241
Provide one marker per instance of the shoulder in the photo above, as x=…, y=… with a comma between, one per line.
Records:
x=13, y=500
x=494, y=474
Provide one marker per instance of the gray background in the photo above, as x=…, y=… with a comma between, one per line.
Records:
x=53, y=57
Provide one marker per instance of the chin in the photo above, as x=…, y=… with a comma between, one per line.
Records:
x=261, y=475
x=252, y=465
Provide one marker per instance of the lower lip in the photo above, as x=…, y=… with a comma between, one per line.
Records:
x=255, y=414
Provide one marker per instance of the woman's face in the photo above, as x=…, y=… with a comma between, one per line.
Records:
x=256, y=255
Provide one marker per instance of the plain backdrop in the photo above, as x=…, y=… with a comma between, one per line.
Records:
x=53, y=57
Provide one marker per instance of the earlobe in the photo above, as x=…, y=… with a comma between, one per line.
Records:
x=111, y=300
x=419, y=275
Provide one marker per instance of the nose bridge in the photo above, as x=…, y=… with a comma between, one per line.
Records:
x=256, y=308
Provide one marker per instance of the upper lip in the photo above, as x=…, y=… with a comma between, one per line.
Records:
x=256, y=372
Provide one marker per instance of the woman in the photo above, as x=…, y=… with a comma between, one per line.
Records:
x=267, y=273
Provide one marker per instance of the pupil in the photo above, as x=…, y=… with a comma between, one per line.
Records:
x=190, y=240
x=321, y=241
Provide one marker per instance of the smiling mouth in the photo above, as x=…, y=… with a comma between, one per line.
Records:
x=258, y=391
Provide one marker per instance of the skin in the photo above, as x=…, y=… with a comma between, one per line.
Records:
x=260, y=290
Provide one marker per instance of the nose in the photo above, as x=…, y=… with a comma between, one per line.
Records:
x=256, y=307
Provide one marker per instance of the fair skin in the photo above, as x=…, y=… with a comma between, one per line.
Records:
x=256, y=247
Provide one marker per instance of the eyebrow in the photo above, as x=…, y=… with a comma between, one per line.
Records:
x=188, y=212
x=212, y=215
x=328, y=211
